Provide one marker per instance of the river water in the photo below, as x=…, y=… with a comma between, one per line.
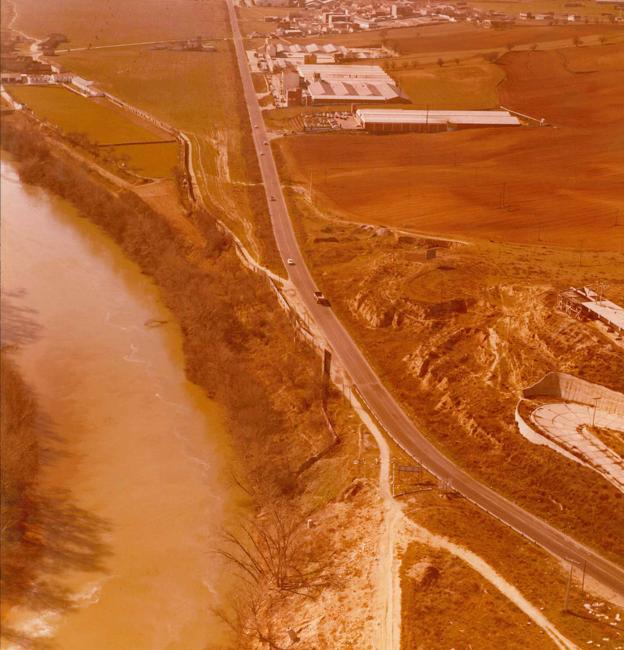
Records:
x=134, y=471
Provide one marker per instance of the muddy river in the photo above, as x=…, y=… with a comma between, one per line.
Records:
x=135, y=477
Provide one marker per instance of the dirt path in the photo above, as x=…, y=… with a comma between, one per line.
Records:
x=107, y=47
x=388, y=589
x=418, y=533
x=399, y=530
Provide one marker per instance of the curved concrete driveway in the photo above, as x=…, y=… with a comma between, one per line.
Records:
x=381, y=403
x=567, y=424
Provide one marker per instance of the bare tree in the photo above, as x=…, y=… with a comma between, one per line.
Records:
x=250, y=616
x=275, y=553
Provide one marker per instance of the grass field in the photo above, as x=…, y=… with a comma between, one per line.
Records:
x=252, y=19
x=153, y=160
x=105, y=22
x=103, y=124
x=96, y=118
x=469, y=86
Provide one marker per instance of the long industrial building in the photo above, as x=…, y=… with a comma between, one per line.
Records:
x=328, y=84
x=376, y=120
x=587, y=304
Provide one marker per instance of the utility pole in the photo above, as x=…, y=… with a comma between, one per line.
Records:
x=581, y=253
x=502, y=196
x=595, y=407
x=567, y=596
x=326, y=376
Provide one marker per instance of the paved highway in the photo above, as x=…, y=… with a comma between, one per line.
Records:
x=379, y=401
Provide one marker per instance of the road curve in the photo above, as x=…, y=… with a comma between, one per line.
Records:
x=377, y=398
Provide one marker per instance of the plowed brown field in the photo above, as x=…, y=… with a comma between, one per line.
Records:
x=560, y=185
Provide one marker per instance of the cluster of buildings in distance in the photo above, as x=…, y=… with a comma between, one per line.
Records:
x=341, y=19
x=276, y=56
x=346, y=16
x=196, y=44
x=51, y=75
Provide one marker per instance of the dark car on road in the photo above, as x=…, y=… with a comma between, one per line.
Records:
x=321, y=299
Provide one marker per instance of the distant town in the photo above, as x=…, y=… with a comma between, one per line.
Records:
x=347, y=16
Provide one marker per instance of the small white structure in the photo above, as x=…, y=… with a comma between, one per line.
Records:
x=86, y=87
x=12, y=77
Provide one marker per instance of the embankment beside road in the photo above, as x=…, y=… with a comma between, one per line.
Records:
x=240, y=349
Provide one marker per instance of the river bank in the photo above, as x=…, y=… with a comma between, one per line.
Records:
x=241, y=351
x=132, y=486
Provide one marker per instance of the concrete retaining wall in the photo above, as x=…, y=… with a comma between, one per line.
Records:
x=572, y=389
x=564, y=387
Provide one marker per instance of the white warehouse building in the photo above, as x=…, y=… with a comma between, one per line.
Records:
x=387, y=120
x=327, y=84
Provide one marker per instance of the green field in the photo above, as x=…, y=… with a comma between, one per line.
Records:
x=252, y=19
x=196, y=92
x=103, y=124
x=452, y=86
x=153, y=160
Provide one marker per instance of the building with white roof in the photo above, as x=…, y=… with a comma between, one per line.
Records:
x=389, y=120
x=327, y=84
x=86, y=87
x=588, y=304
x=370, y=73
